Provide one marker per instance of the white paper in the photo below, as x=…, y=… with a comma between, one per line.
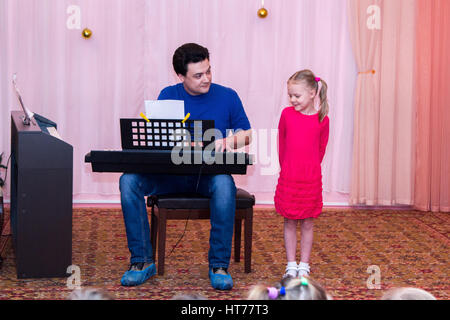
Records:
x=53, y=132
x=25, y=109
x=164, y=109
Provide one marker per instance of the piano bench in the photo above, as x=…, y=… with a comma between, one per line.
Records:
x=194, y=206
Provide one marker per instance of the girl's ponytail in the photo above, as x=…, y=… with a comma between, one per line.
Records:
x=324, y=107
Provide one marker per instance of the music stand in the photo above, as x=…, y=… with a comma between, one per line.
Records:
x=165, y=134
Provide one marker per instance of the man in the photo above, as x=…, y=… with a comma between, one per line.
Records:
x=204, y=100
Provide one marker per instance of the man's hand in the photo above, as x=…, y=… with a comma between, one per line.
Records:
x=236, y=141
x=224, y=144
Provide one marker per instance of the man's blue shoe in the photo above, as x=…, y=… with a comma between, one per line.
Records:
x=136, y=275
x=220, y=279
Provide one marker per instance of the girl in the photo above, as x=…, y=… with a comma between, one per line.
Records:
x=302, y=139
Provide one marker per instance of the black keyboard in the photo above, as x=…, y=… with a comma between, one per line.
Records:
x=166, y=162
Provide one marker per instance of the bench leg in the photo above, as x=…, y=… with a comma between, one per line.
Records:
x=237, y=239
x=161, y=240
x=153, y=232
x=248, y=231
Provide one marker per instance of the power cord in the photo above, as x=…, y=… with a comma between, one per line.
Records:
x=6, y=168
x=2, y=216
x=189, y=215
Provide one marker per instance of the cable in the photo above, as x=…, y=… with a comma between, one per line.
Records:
x=187, y=220
x=2, y=217
x=7, y=165
x=182, y=235
x=6, y=168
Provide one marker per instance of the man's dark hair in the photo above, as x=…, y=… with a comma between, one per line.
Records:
x=188, y=53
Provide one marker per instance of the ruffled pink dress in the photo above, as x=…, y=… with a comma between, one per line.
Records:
x=302, y=141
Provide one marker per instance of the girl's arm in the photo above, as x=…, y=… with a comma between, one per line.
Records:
x=281, y=138
x=324, y=133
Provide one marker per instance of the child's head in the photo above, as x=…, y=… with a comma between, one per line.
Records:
x=290, y=289
x=89, y=294
x=188, y=296
x=304, y=88
x=407, y=294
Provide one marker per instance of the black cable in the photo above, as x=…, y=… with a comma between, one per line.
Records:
x=182, y=235
x=7, y=165
x=189, y=215
x=6, y=168
x=2, y=218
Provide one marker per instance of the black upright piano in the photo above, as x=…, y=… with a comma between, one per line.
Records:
x=41, y=199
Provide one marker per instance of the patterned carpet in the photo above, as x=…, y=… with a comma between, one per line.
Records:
x=411, y=249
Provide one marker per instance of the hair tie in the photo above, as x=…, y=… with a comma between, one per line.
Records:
x=282, y=291
x=304, y=281
x=317, y=79
x=272, y=293
x=317, y=102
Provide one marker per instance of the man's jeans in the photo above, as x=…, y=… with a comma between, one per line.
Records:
x=220, y=188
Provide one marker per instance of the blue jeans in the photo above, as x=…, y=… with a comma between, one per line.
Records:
x=220, y=188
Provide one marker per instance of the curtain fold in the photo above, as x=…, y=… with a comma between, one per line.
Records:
x=432, y=173
x=366, y=47
x=382, y=34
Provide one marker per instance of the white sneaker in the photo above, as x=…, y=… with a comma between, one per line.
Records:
x=290, y=272
x=303, y=270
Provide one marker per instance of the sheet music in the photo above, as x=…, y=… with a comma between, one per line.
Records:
x=53, y=132
x=164, y=109
x=27, y=113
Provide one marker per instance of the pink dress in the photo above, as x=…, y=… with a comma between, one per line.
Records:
x=302, y=141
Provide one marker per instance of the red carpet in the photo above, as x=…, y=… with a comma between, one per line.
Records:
x=411, y=249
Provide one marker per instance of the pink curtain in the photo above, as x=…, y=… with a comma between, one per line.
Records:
x=86, y=85
x=382, y=34
x=432, y=174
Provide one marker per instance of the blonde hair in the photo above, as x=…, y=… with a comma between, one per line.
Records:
x=188, y=296
x=89, y=294
x=295, y=289
x=407, y=294
x=308, y=77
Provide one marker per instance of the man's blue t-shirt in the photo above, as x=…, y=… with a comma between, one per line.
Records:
x=220, y=104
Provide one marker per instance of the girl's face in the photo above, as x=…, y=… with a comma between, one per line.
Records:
x=301, y=96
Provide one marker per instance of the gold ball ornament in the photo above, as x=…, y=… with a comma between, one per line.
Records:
x=262, y=13
x=87, y=33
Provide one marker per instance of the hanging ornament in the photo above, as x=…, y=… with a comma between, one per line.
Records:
x=87, y=33
x=262, y=12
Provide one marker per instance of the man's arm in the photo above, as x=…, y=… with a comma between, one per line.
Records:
x=238, y=140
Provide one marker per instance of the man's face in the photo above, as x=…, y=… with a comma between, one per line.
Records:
x=198, y=78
